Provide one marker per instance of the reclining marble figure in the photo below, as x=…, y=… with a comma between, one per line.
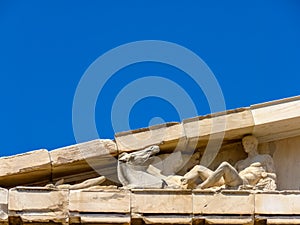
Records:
x=256, y=171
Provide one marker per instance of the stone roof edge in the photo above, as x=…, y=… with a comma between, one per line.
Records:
x=275, y=102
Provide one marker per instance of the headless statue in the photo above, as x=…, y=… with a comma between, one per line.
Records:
x=256, y=171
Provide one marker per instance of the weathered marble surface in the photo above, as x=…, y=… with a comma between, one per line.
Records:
x=3, y=206
x=287, y=161
x=166, y=202
x=31, y=167
x=233, y=124
x=276, y=120
x=83, y=158
x=167, y=136
x=41, y=205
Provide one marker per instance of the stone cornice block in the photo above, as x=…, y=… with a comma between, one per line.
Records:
x=277, y=119
x=170, y=219
x=278, y=203
x=103, y=219
x=167, y=136
x=26, y=168
x=223, y=203
x=81, y=158
x=161, y=202
x=100, y=206
x=103, y=201
x=233, y=124
x=38, y=205
x=230, y=220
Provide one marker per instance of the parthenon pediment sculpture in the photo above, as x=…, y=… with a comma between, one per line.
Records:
x=257, y=171
x=167, y=174
x=146, y=169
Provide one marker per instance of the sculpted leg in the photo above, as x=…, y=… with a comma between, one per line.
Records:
x=198, y=171
x=85, y=184
x=229, y=174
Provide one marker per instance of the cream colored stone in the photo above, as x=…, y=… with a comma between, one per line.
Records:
x=167, y=219
x=38, y=204
x=277, y=119
x=281, y=221
x=26, y=168
x=105, y=219
x=225, y=220
x=286, y=203
x=167, y=136
x=226, y=202
x=106, y=201
x=37, y=198
x=38, y=218
x=3, y=206
x=161, y=202
x=287, y=162
x=232, y=124
x=83, y=158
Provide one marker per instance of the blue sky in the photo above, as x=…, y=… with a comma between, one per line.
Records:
x=252, y=47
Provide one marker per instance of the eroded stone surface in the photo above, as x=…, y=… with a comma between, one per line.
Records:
x=232, y=124
x=104, y=219
x=84, y=157
x=226, y=202
x=105, y=201
x=3, y=206
x=287, y=162
x=38, y=204
x=167, y=136
x=230, y=220
x=167, y=219
x=280, y=220
x=277, y=119
x=26, y=168
x=162, y=202
x=277, y=203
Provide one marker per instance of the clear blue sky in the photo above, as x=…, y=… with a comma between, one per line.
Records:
x=252, y=47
